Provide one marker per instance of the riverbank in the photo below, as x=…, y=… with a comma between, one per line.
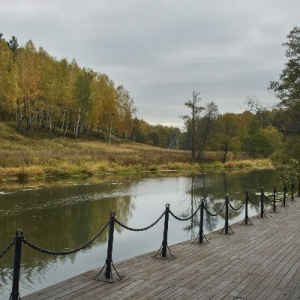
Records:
x=30, y=156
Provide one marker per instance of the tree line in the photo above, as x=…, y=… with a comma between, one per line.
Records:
x=248, y=133
x=39, y=92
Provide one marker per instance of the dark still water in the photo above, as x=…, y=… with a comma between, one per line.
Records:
x=64, y=216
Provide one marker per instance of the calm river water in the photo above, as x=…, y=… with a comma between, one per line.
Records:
x=65, y=215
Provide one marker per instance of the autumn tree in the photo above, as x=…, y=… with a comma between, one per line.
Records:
x=68, y=76
x=83, y=102
x=190, y=120
x=164, y=136
x=45, y=106
x=105, y=102
x=141, y=131
x=205, y=126
x=29, y=80
x=262, y=143
x=9, y=91
x=230, y=128
x=260, y=139
x=125, y=112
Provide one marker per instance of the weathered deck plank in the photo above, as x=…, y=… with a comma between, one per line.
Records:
x=260, y=261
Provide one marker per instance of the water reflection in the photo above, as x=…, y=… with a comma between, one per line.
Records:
x=212, y=188
x=64, y=216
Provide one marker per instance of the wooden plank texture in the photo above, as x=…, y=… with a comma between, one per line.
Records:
x=260, y=261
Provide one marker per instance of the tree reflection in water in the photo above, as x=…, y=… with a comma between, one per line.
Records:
x=213, y=188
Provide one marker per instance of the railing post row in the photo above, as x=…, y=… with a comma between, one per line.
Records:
x=165, y=234
x=17, y=265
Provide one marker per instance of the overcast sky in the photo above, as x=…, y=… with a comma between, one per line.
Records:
x=160, y=50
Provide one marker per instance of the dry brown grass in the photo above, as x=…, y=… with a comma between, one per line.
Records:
x=25, y=156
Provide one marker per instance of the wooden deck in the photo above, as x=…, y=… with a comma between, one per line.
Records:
x=261, y=261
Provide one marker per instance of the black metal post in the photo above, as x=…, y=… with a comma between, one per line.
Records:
x=274, y=199
x=108, y=271
x=226, y=228
x=246, y=209
x=164, y=246
x=262, y=195
x=107, y=276
x=247, y=220
x=201, y=238
x=292, y=191
x=201, y=234
x=226, y=214
x=284, y=195
x=17, y=265
x=165, y=235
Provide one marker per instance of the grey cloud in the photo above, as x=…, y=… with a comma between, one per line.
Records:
x=161, y=50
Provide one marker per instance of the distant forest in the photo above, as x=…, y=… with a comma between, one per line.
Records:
x=41, y=93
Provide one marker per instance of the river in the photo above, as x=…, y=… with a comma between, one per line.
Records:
x=63, y=215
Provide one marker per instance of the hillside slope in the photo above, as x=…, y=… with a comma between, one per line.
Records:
x=33, y=154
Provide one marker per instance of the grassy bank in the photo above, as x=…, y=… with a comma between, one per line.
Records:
x=33, y=155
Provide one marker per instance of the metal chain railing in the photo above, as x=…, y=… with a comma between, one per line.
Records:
x=214, y=215
x=140, y=229
x=185, y=219
x=7, y=248
x=65, y=252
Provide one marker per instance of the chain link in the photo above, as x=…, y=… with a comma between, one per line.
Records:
x=7, y=248
x=254, y=203
x=214, y=215
x=279, y=194
x=185, y=219
x=234, y=207
x=64, y=252
x=140, y=229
